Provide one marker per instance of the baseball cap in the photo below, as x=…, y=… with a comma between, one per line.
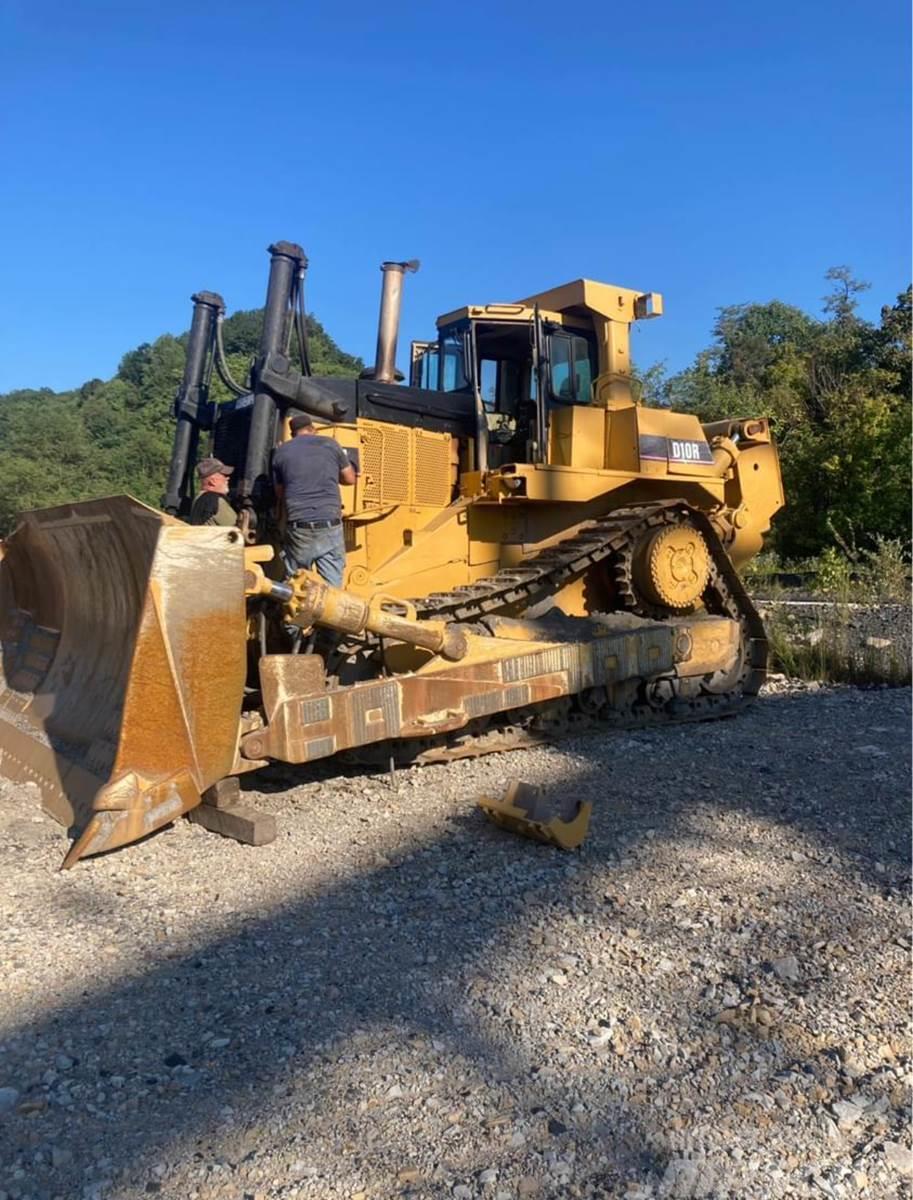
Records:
x=299, y=421
x=212, y=466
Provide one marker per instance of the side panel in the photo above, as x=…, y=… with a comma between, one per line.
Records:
x=605, y=489
x=673, y=444
x=621, y=440
x=577, y=437
x=402, y=465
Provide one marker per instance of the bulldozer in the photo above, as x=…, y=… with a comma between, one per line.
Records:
x=529, y=549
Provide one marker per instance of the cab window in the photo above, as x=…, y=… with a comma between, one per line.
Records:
x=488, y=383
x=452, y=365
x=425, y=369
x=570, y=368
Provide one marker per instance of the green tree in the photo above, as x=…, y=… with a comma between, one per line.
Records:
x=113, y=436
x=837, y=391
x=842, y=303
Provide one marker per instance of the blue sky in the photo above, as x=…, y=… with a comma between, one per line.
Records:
x=716, y=152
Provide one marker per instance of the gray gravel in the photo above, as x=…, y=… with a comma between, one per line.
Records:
x=711, y=999
x=880, y=634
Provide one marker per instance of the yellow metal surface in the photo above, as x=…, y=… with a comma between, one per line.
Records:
x=123, y=660
x=757, y=494
x=587, y=296
x=675, y=427
x=622, y=450
x=577, y=437
x=526, y=810
x=673, y=567
x=705, y=645
x=523, y=310
x=577, y=485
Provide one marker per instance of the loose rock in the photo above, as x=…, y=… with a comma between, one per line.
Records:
x=786, y=968
x=900, y=1157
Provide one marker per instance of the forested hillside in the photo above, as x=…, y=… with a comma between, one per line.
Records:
x=836, y=387
x=115, y=435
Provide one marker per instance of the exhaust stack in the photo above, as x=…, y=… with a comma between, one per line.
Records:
x=391, y=299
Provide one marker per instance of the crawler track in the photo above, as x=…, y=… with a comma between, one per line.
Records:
x=606, y=544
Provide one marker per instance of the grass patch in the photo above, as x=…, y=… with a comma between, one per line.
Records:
x=878, y=573
x=830, y=648
x=861, y=634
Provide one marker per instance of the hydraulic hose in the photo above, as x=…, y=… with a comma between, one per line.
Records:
x=301, y=325
x=222, y=363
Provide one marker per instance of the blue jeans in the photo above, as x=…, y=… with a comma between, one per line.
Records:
x=322, y=549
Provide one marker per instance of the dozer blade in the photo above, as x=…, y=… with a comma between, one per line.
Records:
x=122, y=665
x=527, y=810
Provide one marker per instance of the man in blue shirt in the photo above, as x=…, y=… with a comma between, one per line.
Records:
x=307, y=471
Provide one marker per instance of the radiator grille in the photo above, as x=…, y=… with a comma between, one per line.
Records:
x=404, y=466
x=372, y=441
x=432, y=468
x=397, y=469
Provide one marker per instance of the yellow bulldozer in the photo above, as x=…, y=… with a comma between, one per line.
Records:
x=529, y=549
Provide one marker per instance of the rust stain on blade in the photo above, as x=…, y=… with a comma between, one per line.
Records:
x=123, y=664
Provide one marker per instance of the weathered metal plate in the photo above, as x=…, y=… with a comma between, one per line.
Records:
x=524, y=663
x=122, y=664
x=498, y=674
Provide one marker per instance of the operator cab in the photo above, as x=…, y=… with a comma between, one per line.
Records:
x=506, y=357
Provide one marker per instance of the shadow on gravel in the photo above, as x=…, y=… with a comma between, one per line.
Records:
x=285, y=989
x=402, y=950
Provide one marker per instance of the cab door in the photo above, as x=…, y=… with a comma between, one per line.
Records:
x=538, y=446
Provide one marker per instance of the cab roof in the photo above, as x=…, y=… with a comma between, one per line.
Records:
x=570, y=303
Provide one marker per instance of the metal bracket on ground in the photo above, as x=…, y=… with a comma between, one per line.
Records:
x=221, y=811
x=528, y=811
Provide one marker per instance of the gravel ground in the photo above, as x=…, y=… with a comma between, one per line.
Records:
x=710, y=999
